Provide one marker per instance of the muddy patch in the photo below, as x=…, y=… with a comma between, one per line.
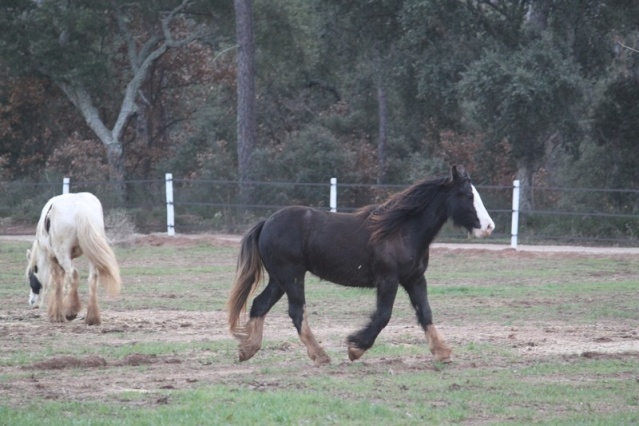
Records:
x=62, y=362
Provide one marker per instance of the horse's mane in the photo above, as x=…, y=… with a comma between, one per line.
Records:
x=33, y=253
x=385, y=219
x=32, y=258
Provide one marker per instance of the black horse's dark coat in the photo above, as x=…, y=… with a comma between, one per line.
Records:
x=319, y=242
x=381, y=246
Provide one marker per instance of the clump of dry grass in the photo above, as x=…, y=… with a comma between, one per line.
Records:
x=119, y=227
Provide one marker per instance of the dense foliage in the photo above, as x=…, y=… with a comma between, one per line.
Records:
x=383, y=91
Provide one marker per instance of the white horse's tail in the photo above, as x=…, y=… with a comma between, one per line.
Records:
x=95, y=247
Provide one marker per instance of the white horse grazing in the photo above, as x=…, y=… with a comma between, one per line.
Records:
x=71, y=225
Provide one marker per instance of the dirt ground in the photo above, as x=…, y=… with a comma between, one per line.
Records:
x=57, y=377
x=102, y=378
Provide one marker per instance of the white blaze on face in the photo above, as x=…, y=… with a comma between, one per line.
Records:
x=487, y=226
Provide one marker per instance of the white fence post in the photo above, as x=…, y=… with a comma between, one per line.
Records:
x=65, y=185
x=514, y=227
x=333, y=198
x=170, y=213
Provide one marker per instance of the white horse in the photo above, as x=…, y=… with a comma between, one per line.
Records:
x=71, y=225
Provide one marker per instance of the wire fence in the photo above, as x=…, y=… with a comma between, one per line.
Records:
x=584, y=216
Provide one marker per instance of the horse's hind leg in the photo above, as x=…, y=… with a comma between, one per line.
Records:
x=93, y=310
x=297, y=312
x=250, y=337
x=72, y=303
x=419, y=299
x=313, y=348
x=55, y=305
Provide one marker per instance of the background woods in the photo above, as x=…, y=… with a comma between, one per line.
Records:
x=385, y=91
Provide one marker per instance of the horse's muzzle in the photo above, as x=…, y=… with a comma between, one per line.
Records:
x=484, y=231
x=33, y=300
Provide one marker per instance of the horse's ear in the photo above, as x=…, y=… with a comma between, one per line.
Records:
x=459, y=173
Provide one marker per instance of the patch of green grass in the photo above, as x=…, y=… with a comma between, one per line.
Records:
x=396, y=382
x=210, y=405
x=361, y=393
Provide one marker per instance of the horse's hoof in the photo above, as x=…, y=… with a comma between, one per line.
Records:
x=246, y=353
x=355, y=353
x=321, y=359
x=57, y=318
x=244, y=356
x=93, y=321
x=70, y=317
x=443, y=355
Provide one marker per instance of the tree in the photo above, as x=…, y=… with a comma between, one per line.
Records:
x=438, y=48
x=28, y=125
x=527, y=98
x=617, y=130
x=361, y=40
x=246, y=108
x=75, y=45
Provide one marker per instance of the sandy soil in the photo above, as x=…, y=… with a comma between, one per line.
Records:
x=82, y=376
x=92, y=377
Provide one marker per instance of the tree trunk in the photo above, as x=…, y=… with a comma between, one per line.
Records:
x=525, y=176
x=143, y=136
x=382, y=117
x=246, y=104
x=110, y=139
x=140, y=60
x=537, y=16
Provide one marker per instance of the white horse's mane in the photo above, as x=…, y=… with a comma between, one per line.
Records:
x=32, y=257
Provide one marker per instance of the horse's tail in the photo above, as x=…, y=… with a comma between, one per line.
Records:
x=248, y=275
x=95, y=247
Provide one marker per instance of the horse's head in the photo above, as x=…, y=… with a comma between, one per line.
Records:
x=32, y=273
x=465, y=205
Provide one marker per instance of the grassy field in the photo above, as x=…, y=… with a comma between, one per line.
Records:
x=537, y=339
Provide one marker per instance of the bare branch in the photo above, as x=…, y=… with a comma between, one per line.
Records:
x=124, y=29
x=627, y=47
x=167, y=31
x=83, y=102
x=235, y=46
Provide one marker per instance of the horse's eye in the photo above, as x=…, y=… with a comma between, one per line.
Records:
x=35, y=269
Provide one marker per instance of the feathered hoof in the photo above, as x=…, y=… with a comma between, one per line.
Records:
x=91, y=320
x=355, y=353
x=71, y=308
x=56, y=317
x=320, y=359
x=246, y=352
x=247, y=348
x=442, y=354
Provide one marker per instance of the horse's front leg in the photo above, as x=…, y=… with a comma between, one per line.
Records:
x=93, y=309
x=360, y=342
x=417, y=293
x=56, y=305
x=72, y=304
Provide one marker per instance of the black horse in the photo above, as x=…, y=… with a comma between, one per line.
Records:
x=381, y=246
